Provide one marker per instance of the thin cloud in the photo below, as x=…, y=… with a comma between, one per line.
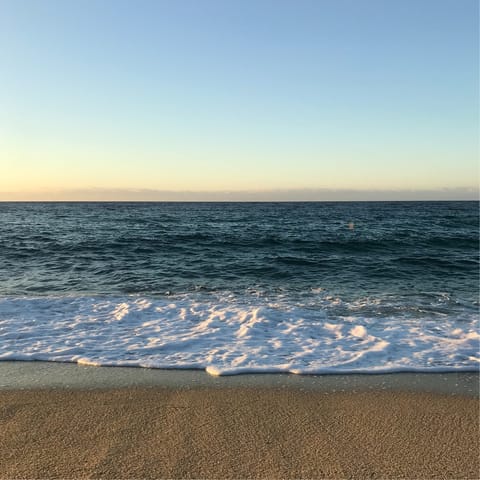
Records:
x=150, y=195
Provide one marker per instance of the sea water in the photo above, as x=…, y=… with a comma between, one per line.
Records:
x=242, y=287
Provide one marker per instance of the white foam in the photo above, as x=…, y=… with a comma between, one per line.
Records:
x=359, y=331
x=225, y=338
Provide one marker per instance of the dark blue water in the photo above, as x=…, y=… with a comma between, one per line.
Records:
x=168, y=248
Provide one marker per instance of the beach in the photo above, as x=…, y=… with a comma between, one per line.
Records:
x=240, y=429
x=239, y=340
x=239, y=240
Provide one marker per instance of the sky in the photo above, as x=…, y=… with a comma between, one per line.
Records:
x=244, y=100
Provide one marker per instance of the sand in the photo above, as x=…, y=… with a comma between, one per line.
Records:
x=239, y=432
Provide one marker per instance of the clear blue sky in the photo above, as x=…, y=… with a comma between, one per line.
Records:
x=237, y=96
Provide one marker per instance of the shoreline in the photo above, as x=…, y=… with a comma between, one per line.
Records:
x=25, y=375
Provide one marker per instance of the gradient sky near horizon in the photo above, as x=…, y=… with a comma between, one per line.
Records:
x=251, y=95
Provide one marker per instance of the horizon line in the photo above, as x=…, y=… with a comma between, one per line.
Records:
x=431, y=200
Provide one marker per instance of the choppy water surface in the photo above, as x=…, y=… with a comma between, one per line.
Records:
x=234, y=287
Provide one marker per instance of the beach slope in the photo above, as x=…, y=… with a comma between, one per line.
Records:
x=237, y=432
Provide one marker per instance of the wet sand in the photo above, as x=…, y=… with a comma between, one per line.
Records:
x=237, y=432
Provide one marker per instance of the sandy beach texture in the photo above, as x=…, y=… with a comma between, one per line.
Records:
x=237, y=433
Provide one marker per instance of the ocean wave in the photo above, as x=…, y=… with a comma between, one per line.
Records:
x=229, y=334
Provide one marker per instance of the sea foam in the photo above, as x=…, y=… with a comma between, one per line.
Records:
x=227, y=337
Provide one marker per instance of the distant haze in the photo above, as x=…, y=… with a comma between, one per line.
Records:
x=240, y=196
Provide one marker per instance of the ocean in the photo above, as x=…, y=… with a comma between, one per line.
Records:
x=327, y=287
